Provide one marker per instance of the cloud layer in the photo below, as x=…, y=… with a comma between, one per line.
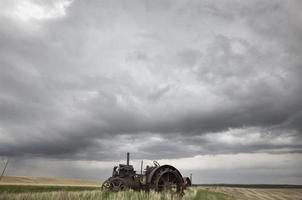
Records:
x=89, y=80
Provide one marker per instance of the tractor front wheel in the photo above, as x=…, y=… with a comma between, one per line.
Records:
x=114, y=185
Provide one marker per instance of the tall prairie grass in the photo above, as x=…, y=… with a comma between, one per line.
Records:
x=191, y=194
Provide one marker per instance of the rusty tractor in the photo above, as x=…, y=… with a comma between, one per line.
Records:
x=161, y=178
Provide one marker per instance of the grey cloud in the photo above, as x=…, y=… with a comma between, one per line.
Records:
x=76, y=85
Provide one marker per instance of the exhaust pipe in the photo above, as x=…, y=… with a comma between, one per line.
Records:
x=128, y=158
x=142, y=163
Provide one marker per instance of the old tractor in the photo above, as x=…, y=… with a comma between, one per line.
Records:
x=161, y=178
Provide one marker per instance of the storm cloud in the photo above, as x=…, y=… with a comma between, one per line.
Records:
x=90, y=80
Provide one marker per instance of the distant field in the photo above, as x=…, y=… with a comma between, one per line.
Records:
x=43, y=188
x=26, y=180
x=260, y=194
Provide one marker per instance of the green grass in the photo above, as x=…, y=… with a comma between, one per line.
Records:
x=41, y=188
x=93, y=193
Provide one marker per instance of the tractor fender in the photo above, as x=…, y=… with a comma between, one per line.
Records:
x=153, y=172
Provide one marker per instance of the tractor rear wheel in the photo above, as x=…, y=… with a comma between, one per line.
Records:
x=168, y=180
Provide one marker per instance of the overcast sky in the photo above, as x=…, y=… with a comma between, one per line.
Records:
x=212, y=87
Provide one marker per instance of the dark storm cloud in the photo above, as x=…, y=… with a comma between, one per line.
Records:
x=74, y=86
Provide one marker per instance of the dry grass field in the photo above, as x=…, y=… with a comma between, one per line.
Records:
x=37, y=188
x=260, y=194
x=191, y=194
x=27, y=180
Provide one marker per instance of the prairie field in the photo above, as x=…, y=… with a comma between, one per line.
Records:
x=260, y=194
x=97, y=194
x=33, y=188
x=29, y=180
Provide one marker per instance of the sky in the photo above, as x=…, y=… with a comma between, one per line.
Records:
x=211, y=87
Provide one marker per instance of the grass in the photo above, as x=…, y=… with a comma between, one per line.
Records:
x=200, y=194
x=28, y=180
x=93, y=193
x=49, y=188
x=261, y=193
x=42, y=188
x=197, y=193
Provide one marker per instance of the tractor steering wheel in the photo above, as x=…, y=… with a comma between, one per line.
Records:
x=156, y=163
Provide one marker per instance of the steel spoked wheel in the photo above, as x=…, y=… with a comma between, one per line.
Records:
x=117, y=184
x=114, y=185
x=169, y=181
x=106, y=185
